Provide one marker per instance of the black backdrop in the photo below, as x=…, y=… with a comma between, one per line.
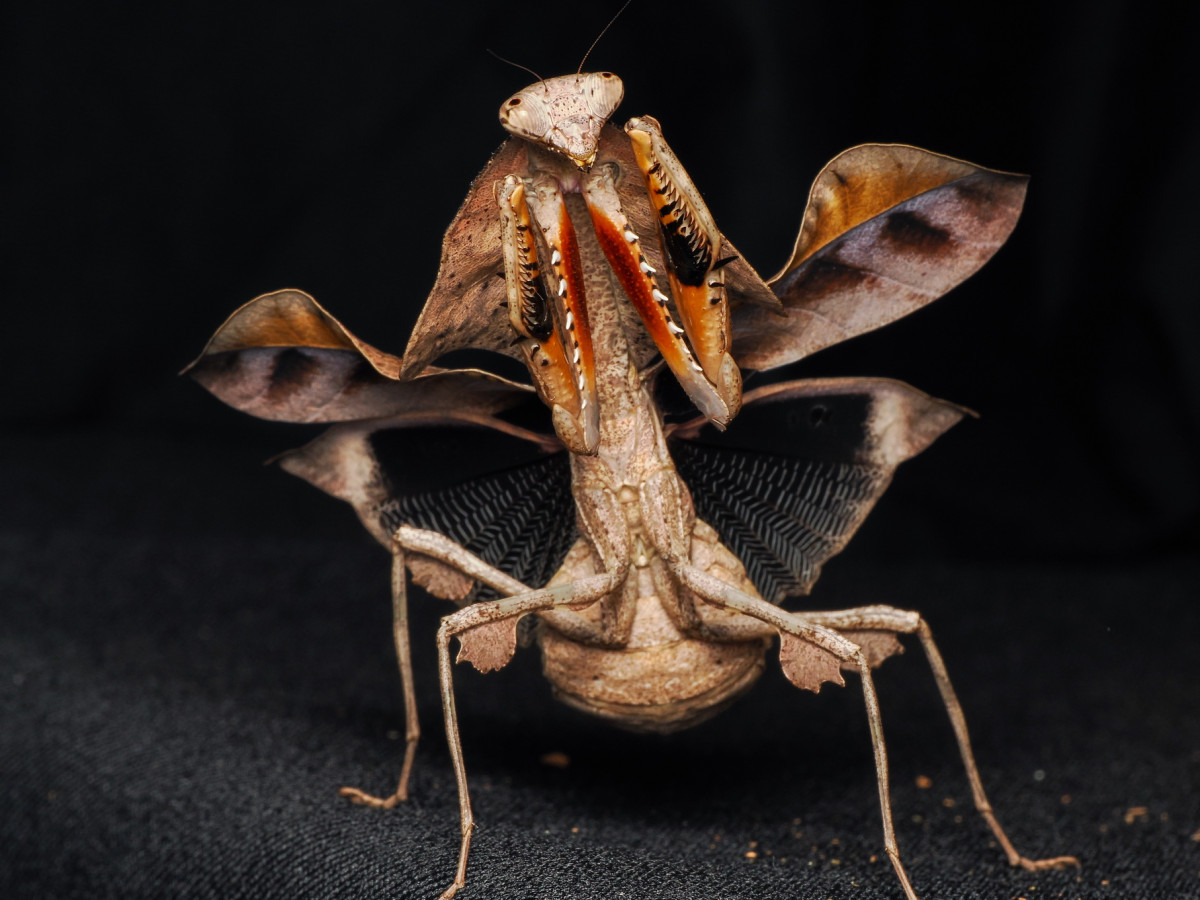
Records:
x=195, y=649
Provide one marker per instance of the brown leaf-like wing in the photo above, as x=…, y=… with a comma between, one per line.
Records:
x=888, y=229
x=744, y=284
x=464, y=308
x=797, y=472
x=283, y=357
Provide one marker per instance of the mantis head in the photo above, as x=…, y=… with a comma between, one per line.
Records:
x=564, y=114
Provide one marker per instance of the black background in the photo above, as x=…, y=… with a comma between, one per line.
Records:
x=195, y=649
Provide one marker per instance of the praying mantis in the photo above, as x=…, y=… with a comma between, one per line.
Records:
x=652, y=555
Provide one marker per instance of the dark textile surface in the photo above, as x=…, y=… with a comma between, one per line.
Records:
x=187, y=683
x=195, y=651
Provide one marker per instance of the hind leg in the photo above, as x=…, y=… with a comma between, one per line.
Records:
x=412, y=727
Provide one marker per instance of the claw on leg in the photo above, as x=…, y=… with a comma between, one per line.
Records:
x=894, y=856
x=1042, y=865
x=362, y=798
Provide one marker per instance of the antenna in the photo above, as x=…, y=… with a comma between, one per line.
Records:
x=603, y=30
x=519, y=66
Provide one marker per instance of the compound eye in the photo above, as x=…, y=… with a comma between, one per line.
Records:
x=510, y=108
x=603, y=92
x=525, y=117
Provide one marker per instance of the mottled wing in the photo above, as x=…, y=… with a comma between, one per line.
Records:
x=888, y=228
x=430, y=452
x=283, y=357
x=795, y=475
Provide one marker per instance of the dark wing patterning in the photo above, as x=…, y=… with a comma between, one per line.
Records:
x=520, y=520
x=797, y=472
x=510, y=503
x=781, y=517
x=430, y=451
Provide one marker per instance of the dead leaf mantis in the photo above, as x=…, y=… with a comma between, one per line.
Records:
x=653, y=556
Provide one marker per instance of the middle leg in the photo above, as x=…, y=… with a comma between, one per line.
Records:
x=887, y=619
x=811, y=654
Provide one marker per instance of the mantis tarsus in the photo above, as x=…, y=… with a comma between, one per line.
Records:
x=653, y=556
